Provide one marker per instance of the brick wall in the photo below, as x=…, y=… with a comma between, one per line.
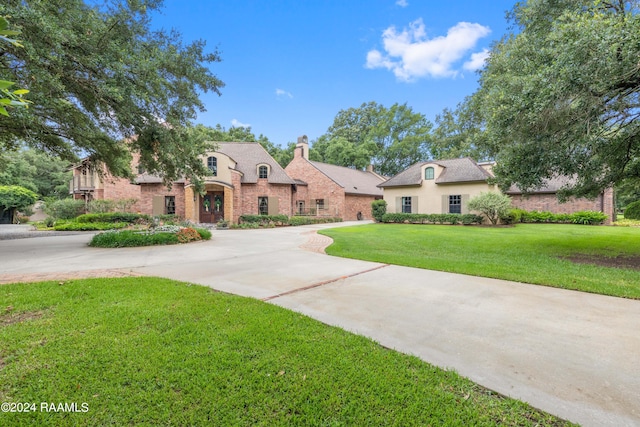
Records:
x=148, y=191
x=549, y=202
x=251, y=192
x=355, y=204
x=319, y=187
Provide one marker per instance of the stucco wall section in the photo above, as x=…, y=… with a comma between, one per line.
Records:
x=430, y=195
x=319, y=187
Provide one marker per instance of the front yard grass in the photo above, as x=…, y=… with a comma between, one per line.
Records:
x=531, y=253
x=159, y=352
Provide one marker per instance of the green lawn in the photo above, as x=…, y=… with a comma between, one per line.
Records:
x=532, y=253
x=148, y=351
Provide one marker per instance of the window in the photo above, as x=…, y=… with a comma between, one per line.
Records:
x=455, y=204
x=263, y=171
x=263, y=206
x=428, y=173
x=406, y=205
x=170, y=205
x=212, y=164
x=319, y=204
x=300, y=204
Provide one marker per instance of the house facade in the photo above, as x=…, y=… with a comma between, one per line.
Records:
x=330, y=190
x=243, y=179
x=446, y=186
x=437, y=186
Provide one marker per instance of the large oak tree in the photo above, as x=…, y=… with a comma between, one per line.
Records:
x=561, y=95
x=102, y=84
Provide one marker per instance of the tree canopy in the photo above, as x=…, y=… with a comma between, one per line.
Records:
x=561, y=95
x=391, y=139
x=104, y=84
x=37, y=171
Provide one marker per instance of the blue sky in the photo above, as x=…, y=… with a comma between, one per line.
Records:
x=291, y=66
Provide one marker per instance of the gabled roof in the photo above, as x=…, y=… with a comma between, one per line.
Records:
x=455, y=171
x=353, y=181
x=550, y=186
x=248, y=155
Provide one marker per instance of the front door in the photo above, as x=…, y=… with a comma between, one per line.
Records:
x=212, y=207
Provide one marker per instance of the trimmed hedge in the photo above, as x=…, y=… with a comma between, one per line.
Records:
x=400, y=218
x=378, y=209
x=130, y=238
x=580, y=217
x=256, y=221
x=93, y=226
x=113, y=217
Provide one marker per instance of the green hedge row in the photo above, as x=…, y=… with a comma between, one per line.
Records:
x=113, y=217
x=281, y=220
x=400, y=218
x=89, y=226
x=581, y=217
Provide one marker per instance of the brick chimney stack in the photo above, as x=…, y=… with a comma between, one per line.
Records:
x=302, y=147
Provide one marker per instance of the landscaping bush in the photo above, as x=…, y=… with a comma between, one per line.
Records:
x=64, y=209
x=491, y=204
x=587, y=217
x=129, y=238
x=114, y=217
x=89, y=226
x=581, y=217
x=186, y=235
x=400, y=218
x=632, y=211
x=101, y=206
x=378, y=209
x=204, y=233
x=265, y=219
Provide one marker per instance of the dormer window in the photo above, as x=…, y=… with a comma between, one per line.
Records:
x=212, y=164
x=428, y=173
x=263, y=171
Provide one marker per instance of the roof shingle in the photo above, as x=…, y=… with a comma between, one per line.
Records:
x=352, y=180
x=455, y=170
x=248, y=155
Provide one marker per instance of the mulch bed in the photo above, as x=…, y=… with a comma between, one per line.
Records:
x=620, y=261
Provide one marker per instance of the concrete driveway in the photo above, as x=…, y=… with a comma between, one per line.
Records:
x=569, y=353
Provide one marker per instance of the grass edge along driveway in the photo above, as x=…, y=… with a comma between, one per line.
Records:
x=529, y=253
x=159, y=352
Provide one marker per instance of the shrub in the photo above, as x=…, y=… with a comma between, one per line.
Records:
x=100, y=206
x=89, y=226
x=129, y=238
x=204, y=233
x=491, y=204
x=49, y=222
x=64, y=208
x=114, y=217
x=186, y=235
x=632, y=210
x=587, y=217
x=378, y=209
x=400, y=218
x=265, y=220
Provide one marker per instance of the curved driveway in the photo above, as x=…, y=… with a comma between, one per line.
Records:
x=570, y=353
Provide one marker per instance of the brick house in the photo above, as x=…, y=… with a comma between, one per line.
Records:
x=445, y=186
x=244, y=179
x=330, y=190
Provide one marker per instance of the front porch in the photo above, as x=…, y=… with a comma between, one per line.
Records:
x=212, y=206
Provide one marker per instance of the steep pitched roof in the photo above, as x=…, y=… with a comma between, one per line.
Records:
x=455, y=170
x=353, y=181
x=248, y=155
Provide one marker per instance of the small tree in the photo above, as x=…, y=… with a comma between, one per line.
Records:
x=491, y=204
x=378, y=208
x=16, y=198
x=632, y=211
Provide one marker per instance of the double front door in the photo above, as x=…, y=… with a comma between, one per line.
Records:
x=212, y=206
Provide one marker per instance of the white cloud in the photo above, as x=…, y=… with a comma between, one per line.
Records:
x=410, y=54
x=477, y=60
x=237, y=124
x=281, y=93
x=402, y=3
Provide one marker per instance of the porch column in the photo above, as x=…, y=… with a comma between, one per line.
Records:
x=228, y=204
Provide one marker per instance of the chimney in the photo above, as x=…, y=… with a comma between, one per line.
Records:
x=369, y=168
x=302, y=147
